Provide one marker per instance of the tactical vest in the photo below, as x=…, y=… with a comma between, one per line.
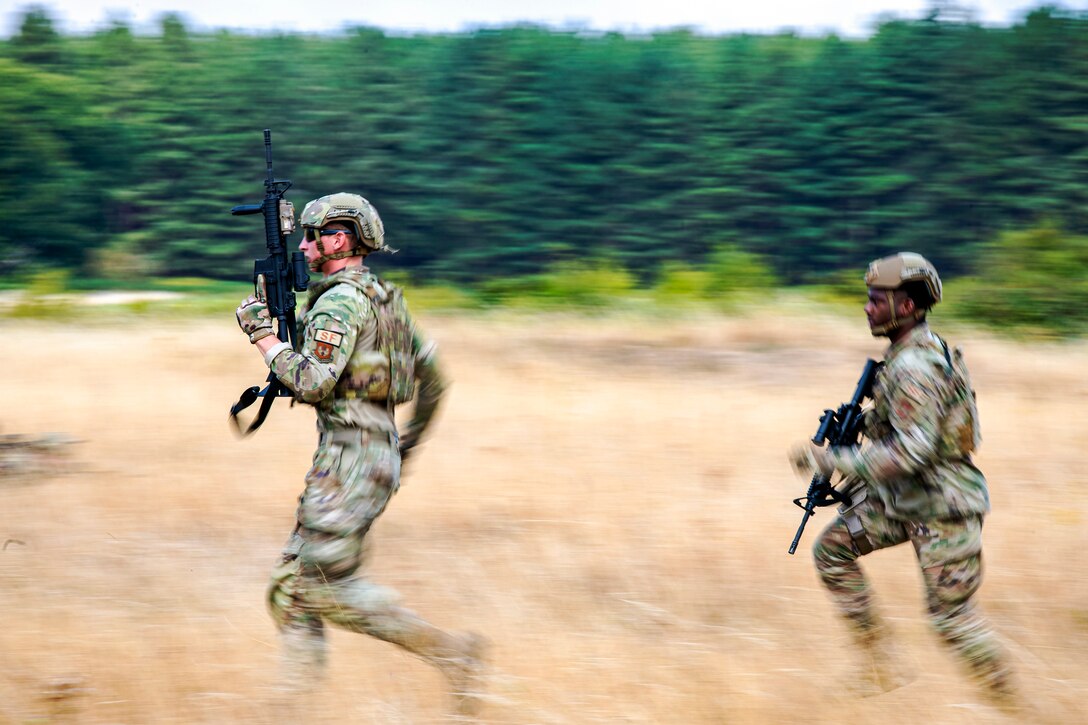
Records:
x=960, y=434
x=387, y=372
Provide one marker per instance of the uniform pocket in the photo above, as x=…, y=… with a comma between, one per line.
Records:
x=944, y=542
x=348, y=486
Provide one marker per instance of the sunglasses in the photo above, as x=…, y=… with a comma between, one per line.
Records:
x=310, y=234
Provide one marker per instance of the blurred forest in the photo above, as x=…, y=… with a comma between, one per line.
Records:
x=497, y=155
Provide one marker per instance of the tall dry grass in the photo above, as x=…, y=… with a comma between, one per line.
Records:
x=606, y=499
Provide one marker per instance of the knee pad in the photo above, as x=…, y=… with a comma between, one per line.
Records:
x=285, y=592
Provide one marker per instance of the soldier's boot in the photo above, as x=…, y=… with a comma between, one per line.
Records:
x=1007, y=699
x=988, y=663
x=461, y=658
x=1001, y=691
x=466, y=673
x=881, y=667
x=293, y=698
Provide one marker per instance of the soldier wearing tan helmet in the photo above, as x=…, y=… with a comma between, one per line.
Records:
x=912, y=479
x=360, y=354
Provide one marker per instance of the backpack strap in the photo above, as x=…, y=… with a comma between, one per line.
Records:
x=947, y=356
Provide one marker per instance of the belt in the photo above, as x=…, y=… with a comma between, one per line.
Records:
x=356, y=435
x=358, y=395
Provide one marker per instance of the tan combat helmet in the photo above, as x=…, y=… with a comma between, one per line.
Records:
x=891, y=273
x=351, y=210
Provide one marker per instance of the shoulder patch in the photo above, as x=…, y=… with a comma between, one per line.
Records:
x=325, y=344
x=328, y=337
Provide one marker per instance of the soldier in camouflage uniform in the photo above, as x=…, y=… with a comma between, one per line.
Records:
x=913, y=481
x=359, y=355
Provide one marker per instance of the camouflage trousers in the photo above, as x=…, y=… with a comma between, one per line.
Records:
x=317, y=579
x=949, y=554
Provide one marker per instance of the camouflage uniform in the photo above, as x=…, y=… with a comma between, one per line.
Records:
x=359, y=353
x=915, y=482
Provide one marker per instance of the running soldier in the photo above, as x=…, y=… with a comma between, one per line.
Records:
x=359, y=355
x=913, y=481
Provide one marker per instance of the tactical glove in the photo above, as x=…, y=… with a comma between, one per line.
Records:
x=254, y=319
x=808, y=458
x=872, y=427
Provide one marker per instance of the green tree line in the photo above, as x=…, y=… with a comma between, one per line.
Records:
x=508, y=152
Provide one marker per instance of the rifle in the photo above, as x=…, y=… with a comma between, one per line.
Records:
x=277, y=278
x=837, y=428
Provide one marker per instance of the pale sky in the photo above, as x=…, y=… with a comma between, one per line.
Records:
x=846, y=17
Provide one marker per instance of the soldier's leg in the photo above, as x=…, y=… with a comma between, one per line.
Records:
x=359, y=605
x=348, y=490
x=950, y=555
x=335, y=506
x=347, y=487
x=836, y=554
x=303, y=656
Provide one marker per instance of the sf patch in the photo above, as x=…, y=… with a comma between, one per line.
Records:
x=325, y=344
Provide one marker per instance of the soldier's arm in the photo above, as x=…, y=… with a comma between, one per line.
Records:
x=328, y=339
x=912, y=441
x=428, y=392
x=871, y=426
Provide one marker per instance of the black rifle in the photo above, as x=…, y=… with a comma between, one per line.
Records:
x=277, y=278
x=837, y=428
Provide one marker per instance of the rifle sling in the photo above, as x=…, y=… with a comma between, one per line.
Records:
x=857, y=532
x=248, y=397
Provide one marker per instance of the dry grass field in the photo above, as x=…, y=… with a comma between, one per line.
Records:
x=608, y=500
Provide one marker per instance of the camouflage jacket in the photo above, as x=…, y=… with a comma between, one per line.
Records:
x=338, y=338
x=921, y=431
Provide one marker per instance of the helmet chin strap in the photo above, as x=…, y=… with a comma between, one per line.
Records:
x=317, y=264
x=896, y=322
x=892, y=324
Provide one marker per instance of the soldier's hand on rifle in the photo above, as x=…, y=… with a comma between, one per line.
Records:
x=808, y=458
x=868, y=419
x=872, y=427
x=254, y=319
